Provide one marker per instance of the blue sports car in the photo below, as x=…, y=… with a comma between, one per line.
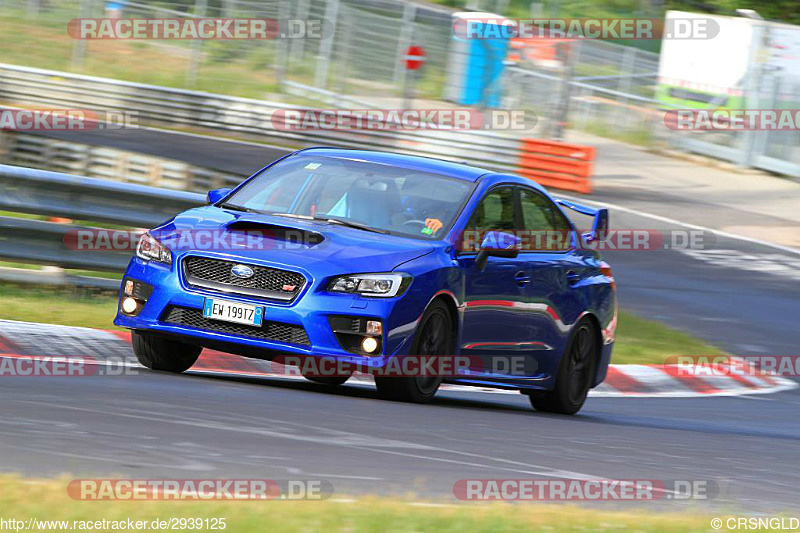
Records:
x=366, y=258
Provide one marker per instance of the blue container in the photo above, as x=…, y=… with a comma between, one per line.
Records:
x=476, y=59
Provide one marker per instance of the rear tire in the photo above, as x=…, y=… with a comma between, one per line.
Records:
x=434, y=336
x=160, y=353
x=575, y=374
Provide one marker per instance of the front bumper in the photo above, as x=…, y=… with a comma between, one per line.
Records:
x=310, y=310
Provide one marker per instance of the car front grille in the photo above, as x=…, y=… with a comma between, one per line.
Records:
x=269, y=283
x=270, y=331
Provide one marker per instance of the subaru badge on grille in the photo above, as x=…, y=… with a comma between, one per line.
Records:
x=242, y=271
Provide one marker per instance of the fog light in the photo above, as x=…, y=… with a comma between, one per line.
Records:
x=128, y=288
x=369, y=344
x=129, y=305
x=374, y=327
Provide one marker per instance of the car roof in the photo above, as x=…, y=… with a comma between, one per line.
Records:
x=413, y=162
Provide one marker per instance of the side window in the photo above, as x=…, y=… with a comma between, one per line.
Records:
x=494, y=212
x=545, y=226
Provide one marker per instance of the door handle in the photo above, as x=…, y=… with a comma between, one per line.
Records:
x=522, y=278
x=573, y=277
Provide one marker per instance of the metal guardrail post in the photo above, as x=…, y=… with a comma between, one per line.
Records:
x=297, y=49
x=282, y=44
x=407, y=32
x=197, y=46
x=326, y=46
x=85, y=10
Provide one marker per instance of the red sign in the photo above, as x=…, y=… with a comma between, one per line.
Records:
x=415, y=57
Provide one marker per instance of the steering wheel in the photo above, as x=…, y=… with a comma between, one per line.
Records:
x=414, y=221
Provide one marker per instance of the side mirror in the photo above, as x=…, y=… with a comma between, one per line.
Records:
x=599, y=227
x=497, y=244
x=215, y=195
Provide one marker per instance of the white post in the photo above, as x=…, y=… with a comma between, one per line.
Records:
x=32, y=10
x=197, y=46
x=400, y=72
x=298, y=45
x=326, y=46
x=282, y=46
x=79, y=48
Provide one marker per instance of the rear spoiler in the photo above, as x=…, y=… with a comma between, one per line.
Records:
x=600, y=214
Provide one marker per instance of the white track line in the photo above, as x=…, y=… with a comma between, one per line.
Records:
x=679, y=223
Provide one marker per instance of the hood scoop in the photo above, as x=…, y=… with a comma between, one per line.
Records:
x=276, y=231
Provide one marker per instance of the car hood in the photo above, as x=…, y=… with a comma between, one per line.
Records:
x=318, y=247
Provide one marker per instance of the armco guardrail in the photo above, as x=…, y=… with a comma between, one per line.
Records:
x=182, y=108
x=35, y=241
x=63, y=195
x=58, y=155
x=42, y=192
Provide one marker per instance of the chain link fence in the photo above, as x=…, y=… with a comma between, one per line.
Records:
x=359, y=50
x=599, y=87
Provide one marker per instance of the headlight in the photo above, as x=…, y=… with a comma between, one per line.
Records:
x=150, y=249
x=380, y=285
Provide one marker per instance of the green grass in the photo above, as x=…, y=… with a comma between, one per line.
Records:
x=638, y=340
x=643, y=341
x=46, y=499
x=24, y=266
x=69, y=307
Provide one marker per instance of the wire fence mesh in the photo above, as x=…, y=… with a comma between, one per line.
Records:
x=359, y=57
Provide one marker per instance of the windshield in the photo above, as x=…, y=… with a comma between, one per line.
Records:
x=374, y=196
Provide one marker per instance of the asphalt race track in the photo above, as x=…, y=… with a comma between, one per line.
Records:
x=740, y=295
x=190, y=427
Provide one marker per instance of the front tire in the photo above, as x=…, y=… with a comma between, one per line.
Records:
x=575, y=373
x=434, y=337
x=160, y=353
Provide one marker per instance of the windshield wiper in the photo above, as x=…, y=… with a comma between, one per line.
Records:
x=234, y=207
x=292, y=215
x=351, y=224
x=341, y=221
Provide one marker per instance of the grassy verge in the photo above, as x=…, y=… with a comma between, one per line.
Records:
x=641, y=341
x=69, y=307
x=638, y=340
x=48, y=500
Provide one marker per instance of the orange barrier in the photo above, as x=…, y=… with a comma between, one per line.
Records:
x=557, y=164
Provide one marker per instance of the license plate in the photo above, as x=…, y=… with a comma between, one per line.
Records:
x=217, y=309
